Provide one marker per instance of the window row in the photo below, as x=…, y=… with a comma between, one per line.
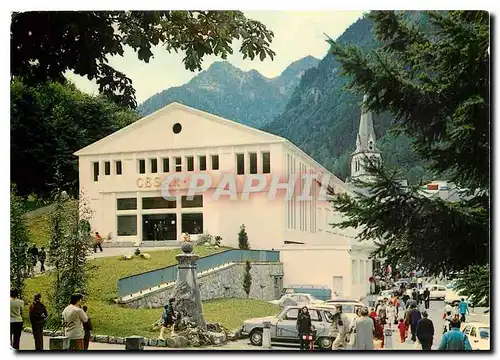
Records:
x=107, y=168
x=159, y=203
x=160, y=227
x=252, y=166
x=177, y=166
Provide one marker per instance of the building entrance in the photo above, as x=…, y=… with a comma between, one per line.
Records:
x=159, y=227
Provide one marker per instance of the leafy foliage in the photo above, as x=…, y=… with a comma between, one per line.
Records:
x=19, y=242
x=71, y=242
x=48, y=124
x=435, y=84
x=244, y=96
x=472, y=283
x=44, y=44
x=243, y=239
x=247, y=278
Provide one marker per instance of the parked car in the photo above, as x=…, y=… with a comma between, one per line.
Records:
x=349, y=307
x=453, y=298
x=478, y=334
x=298, y=299
x=385, y=294
x=283, y=326
x=437, y=291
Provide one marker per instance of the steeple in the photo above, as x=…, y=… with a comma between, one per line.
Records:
x=366, y=143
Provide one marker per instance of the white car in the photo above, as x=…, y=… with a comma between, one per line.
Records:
x=297, y=299
x=453, y=298
x=349, y=308
x=478, y=334
x=385, y=294
x=437, y=291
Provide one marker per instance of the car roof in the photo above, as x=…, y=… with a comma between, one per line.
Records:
x=309, y=307
x=477, y=324
x=339, y=300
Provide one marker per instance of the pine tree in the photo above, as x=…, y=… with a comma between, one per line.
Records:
x=243, y=239
x=432, y=76
x=19, y=242
x=247, y=278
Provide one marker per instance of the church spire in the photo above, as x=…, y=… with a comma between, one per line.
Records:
x=366, y=140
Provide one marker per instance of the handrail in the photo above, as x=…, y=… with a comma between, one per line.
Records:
x=152, y=278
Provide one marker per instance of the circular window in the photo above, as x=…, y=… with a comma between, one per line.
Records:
x=177, y=128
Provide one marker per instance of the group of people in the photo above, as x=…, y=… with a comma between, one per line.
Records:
x=75, y=321
x=35, y=255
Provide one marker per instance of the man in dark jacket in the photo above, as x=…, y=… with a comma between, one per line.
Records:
x=303, y=326
x=41, y=257
x=38, y=315
x=427, y=299
x=412, y=318
x=425, y=331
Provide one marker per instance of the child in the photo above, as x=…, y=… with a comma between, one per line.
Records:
x=88, y=328
x=402, y=330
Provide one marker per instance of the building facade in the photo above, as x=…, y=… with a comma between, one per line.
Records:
x=137, y=182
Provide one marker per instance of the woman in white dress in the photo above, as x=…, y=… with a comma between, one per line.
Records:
x=391, y=314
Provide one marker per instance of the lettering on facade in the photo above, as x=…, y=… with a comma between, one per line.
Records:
x=149, y=182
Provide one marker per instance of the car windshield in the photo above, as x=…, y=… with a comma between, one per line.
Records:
x=346, y=308
x=484, y=333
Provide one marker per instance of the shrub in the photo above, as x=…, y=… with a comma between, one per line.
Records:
x=243, y=239
x=247, y=278
x=204, y=238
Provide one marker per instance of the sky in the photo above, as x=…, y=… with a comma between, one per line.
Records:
x=297, y=34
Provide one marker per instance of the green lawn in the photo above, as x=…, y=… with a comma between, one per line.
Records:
x=39, y=229
x=111, y=319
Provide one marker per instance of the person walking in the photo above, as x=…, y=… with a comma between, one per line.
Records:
x=16, y=318
x=168, y=318
x=73, y=319
x=463, y=309
x=303, y=327
x=425, y=331
x=42, y=255
x=382, y=314
x=364, y=332
x=97, y=242
x=340, y=328
x=402, y=330
x=454, y=340
x=427, y=299
x=396, y=304
x=87, y=327
x=412, y=318
x=38, y=316
x=391, y=315
x=33, y=255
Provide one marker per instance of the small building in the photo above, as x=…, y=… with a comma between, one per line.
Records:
x=182, y=170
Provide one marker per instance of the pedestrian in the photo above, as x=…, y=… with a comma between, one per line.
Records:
x=405, y=299
x=16, y=318
x=391, y=315
x=373, y=313
x=426, y=297
x=73, y=319
x=396, y=304
x=38, y=316
x=168, y=318
x=33, y=256
x=41, y=257
x=364, y=332
x=402, y=330
x=340, y=328
x=412, y=318
x=425, y=331
x=382, y=314
x=378, y=332
x=97, y=242
x=448, y=310
x=87, y=328
x=303, y=327
x=463, y=309
x=454, y=339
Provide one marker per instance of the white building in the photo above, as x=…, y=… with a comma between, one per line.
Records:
x=122, y=176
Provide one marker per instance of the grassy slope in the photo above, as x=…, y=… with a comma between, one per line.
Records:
x=111, y=319
x=39, y=229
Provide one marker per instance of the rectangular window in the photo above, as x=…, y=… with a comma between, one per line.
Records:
x=154, y=165
x=190, y=163
x=107, y=168
x=215, y=162
x=118, y=167
x=166, y=165
x=127, y=225
x=192, y=223
x=96, y=171
x=159, y=227
x=197, y=202
x=266, y=162
x=126, y=204
x=142, y=166
x=240, y=164
x=203, y=163
x=253, y=163
x=178, y=164
x=157, y=203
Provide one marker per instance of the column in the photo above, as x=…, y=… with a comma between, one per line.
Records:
x=178, y=215
x=139, y=217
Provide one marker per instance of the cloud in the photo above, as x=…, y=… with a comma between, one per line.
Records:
x=297, y=35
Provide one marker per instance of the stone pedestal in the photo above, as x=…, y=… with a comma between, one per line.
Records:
x=186, y=291
x=134, y=343
x=59, y=343
x=266, y=335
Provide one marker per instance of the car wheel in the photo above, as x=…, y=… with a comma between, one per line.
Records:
x=325, y=343
x=256, y=337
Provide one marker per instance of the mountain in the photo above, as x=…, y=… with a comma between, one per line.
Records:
x=322, y=117
x=244, y=96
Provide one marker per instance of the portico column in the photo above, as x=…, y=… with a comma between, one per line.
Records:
x=139, y=217
x=178, y=215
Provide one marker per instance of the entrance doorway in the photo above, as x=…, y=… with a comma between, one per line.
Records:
x=338, y=285
x=159, y=227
